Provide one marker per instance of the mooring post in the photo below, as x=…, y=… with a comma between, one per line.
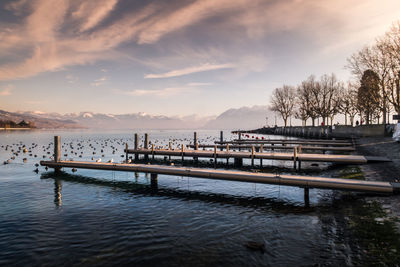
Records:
x=136, y=146
x=307, y=197
x=146, y=145
x=272, y=146
x=239, y=135
x=252, y=156
x=299, y=164
x=57, y=151
x=169, y=148
x=126, y=152
x=195, y=141
x=196, y=146
x=261, y=151
x=182, y=151
x=221, y=139
x=152, y=151
x=215, y=156
x=227, y=154
x=294, y=157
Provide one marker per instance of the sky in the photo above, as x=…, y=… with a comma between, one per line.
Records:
x=175, y=57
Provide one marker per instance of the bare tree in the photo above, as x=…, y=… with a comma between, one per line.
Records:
x=307, y=99
x=283, y=101
x=329, y=97
x=349, y=103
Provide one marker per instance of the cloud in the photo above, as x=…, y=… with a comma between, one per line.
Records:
x=190, y=70
x=99, y=81
x=6, y=90
x=51, y=35
x=158, y=92
x=71, y=78
x=199, y=84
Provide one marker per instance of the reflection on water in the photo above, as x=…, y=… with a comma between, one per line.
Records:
x=118, y=218
x=57, y=192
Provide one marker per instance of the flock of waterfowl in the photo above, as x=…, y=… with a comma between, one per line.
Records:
x=95, y=149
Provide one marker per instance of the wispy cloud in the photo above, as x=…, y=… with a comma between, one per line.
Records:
x=6, y=91
x=99, y=81
x=71, y=78
x=199, y=84
x=190, y=70
x=157, y=92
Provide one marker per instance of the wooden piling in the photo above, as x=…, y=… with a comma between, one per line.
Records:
x=221, y=138
x=169, y=148
x=294, y=157
x=126, y=152
x=57, y=151
x=152, y=151
x=252, y=156
x=261, y=151
x=227, y=152
x=182, y=152
x=146, y=145
x=154, y=180
x=215, y=156
x=136, y=146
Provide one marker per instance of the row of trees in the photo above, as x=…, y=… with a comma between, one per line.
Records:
x=374, y=94
x=13, y=124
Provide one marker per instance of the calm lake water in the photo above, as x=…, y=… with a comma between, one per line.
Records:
x=117, y=218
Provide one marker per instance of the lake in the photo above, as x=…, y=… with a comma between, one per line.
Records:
x=92, y=217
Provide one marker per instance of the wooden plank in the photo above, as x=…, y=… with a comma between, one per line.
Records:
x=240, y=176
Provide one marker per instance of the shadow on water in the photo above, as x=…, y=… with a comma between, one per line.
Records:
x=262, y=203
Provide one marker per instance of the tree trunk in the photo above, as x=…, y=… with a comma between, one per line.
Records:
x=383, y=102
x=345, y=118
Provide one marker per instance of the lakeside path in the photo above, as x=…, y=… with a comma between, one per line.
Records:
x=382, y=171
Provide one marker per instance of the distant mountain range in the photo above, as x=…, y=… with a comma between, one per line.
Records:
x=241, y=118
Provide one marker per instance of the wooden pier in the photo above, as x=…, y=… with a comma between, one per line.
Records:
x=348, y=159
x=278, y=147
x=286, y=142
x=238, y=176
